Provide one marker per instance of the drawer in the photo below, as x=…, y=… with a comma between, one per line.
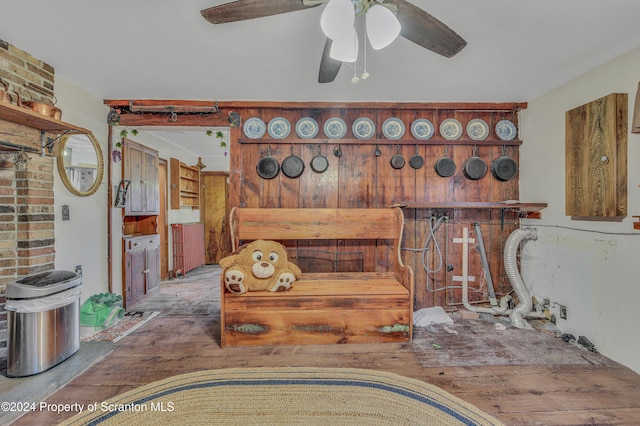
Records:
x=141, y=242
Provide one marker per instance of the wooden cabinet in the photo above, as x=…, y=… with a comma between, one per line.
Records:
x=141, y=250
x=141, y=169
x=596, y=158
x=142, y=266
x=185, y=185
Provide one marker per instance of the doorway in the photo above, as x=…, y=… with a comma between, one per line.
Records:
x=214, y=212
x=163, y=225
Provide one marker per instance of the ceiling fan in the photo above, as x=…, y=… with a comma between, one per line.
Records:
x=416, y=25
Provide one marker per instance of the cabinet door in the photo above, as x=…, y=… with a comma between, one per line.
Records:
x=134, y=172
x=141, y=169
x=153, y=267
x=151, y=183
x=596, y=158
x=136, y=266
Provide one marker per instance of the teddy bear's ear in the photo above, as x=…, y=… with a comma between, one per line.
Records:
x=228, y=261
x=239, y=249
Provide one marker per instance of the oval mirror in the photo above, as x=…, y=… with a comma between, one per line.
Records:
x=80, y=163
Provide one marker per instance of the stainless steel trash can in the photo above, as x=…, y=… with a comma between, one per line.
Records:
x=43, y=321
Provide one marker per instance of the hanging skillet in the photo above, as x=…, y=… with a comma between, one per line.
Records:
x=474, y=167
x=319, y=163
x=445, y=166
x=292, y=166
x=416, y=161
x=397, y=161
x=504, y=168
x=268, y=167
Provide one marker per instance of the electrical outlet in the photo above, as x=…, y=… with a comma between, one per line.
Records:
x=79, y=269
x=563, y=312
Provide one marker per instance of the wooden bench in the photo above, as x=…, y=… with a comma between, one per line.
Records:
x=324, y=308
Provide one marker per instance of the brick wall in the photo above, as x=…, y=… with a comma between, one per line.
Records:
x=26, y=223
x=26, y=187
x=8, y=238
x=29, y=76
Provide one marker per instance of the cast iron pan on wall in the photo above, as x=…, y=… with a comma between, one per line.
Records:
x=292, y=166
x=268, y=167
x=474, y=167
x=319, y=163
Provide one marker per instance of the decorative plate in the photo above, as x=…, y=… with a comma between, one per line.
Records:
x=393, y=128
x=254, y=128
x=279, y=128
x=335, y=128
x=422, y=129
x=451, y=129
x=363, y=128
x=307, y=128
x=506, y=130
x=477, y=129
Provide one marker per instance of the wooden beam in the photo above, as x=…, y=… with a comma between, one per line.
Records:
x=219, y=119
x=458, y=106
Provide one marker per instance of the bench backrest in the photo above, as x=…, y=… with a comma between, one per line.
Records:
x=315, y=224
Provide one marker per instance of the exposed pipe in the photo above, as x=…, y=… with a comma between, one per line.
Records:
x=504, y=301
x=465, y=283
x=485, y=265
x=525, y=304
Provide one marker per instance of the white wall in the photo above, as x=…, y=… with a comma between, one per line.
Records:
x=593, y=269
x=82, y=240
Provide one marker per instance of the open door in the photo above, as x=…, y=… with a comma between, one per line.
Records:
x=214, y=212
x=163, y=226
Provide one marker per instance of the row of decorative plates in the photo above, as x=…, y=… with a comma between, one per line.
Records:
x=364, y=128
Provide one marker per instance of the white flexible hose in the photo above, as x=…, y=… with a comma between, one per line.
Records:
x=511, y=268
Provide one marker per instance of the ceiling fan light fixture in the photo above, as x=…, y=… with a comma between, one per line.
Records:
x=345, y=50
x=337, y=19
x=382, y=27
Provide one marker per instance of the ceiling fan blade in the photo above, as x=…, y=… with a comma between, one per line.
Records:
x=329, y=67
x=427, y=31
x=241, y=10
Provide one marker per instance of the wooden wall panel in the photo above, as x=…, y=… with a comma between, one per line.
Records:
x=359, y=178
x=596, y=158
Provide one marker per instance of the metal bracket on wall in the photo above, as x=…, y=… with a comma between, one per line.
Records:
x=47, y=143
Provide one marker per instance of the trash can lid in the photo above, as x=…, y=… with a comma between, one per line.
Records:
x=42, y=284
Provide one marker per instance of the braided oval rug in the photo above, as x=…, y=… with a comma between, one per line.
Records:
x=285, y=396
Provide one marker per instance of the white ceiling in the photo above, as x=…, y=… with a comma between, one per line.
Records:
x=126, y=49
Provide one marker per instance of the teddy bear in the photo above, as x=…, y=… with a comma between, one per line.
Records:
x=259, y=266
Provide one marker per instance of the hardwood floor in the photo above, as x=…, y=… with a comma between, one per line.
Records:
x=522, y=377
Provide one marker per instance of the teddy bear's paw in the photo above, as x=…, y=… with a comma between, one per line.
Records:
x=234, y=281
x=284, y=282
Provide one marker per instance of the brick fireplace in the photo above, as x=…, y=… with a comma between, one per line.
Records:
x=26, y=181
x=26, y=222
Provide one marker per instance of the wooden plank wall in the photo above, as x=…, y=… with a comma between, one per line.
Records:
x=360, y=179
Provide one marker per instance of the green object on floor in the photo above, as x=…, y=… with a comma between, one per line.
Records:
x=101, y=310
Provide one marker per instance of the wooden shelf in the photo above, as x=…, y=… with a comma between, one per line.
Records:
x=452, y=205
x=185, y=185
x=26, y=117
x=373, y=141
